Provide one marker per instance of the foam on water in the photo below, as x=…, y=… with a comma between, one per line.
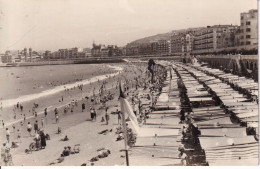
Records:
x=25, y=98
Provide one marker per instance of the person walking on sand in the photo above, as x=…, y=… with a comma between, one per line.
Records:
x=83, y=106
x=37, y=141
x=57, y=118
x=118, y=116
x=43, y=139
x=35, y=126
x=56, y=111
x=42, y=121
x=107, y=118
x=45, y=112
x=29, y=128
x=19, y=135
x=91, y=113
x=13, y=128
x=7, y=135
x=3, y=123
x=95, y=115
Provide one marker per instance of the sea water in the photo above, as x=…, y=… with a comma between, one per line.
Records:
x=21, y=84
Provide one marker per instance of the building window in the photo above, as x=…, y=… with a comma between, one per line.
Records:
x=248, y=29
x=248, y=23
x=242, y=43
x=242, y=24
x=248, y=42
x=242, y=37
x=248, y=36
x=242, y=17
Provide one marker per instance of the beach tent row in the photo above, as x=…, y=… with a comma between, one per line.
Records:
x=238, y=104
x=243, y=83
x=196, y=92
x=224, y=142
x=157, y=143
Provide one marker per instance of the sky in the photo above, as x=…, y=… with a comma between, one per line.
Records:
x=57, y=24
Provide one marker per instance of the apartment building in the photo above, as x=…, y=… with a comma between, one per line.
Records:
x=208, y=38
x=248, y=34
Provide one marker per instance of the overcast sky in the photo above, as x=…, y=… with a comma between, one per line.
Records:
x=54, y=24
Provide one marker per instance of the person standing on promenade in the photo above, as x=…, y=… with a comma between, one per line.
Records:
x=151, y=65
x=7, y=135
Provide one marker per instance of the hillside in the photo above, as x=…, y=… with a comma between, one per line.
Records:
x=163, y=36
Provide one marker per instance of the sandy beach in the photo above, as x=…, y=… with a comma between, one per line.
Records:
x=77, y=125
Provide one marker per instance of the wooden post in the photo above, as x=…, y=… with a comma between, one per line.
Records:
x=125, y=137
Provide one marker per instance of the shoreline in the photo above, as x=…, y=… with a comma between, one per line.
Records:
x=25, y=98
x=64, y=62
x=87, y=84
x=76, y=121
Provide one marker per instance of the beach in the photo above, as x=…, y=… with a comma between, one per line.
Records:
x=77, y=125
